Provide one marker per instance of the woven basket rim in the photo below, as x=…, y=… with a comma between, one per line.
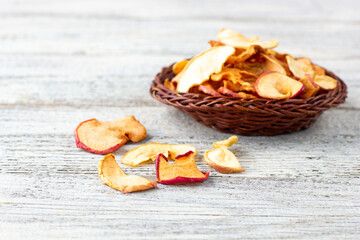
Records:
x=225, y=103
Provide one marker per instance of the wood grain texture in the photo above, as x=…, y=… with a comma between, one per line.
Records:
x=62, y=62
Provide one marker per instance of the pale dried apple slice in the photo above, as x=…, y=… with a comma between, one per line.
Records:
x=111, y=174
x=104, y=137
x=179, y=66
x=235, y=39
x=200, y=67
x=325, y=82
x=272, y=64
x=275, y=85
x=300, y=67
x=226, y=143
x=221, y=158
x=148, y=152
x=184, y=170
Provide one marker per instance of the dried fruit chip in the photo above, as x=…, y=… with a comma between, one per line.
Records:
x=318, y=70
x=200, y=67
x=235, y=39
x=184, y=170
x=111, y=174
x=179, y=66
x=275, y=85
x=311, y=88
x=272, y=64
x=208, y=89
x=170, y=84
x=245, y=54
x=149, y=152
x=300, y=67
x=326, y=82
x=226, y=143
x=104, y=137
x=221, y=158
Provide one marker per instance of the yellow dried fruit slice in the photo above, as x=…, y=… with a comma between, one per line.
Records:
x=184, y=170
x=221, y=158
x=104, y=137
x=272, y=64
x=111, y=174
x=148, y=152
x=310, y=87
x=326, y=82
x=300, y=67
x=235, y=39
x=179, y=66
x=200, y=67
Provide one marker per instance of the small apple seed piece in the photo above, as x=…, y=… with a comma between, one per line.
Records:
x=275, y=85
x=111, y=174
x=235, y=39
x=184, y=170
x=148, y=152
x=200, y=67
x=104, y=137
x=326, y=82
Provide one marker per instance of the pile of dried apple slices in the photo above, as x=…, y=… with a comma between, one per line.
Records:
x=104, y=137
x=248, y=68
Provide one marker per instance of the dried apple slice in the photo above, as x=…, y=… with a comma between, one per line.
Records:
x=325, y=82
x=221, y=158
x=111, y=174
x=235, y=39
x=300, y=67
x=310, y=87
x=104, y=137
x=200, y=67
x=179, y=66
x=184, y=170
x=208, y=89
x=148, y=152
x=272, y=64
x=275, y=85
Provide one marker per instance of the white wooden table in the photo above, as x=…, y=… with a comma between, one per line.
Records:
x=62, y=62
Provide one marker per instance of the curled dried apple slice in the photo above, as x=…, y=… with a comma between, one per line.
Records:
x=200, y=67
x=208, y=89
x=104, y=137
x=148, y=152
x=326, y=82
x=300, y=67
x=310, y=87
x=111, y=174
x=235, y=39
x=226, y=143
x=275, y=85
x=221, y=158
x=272, y=64
x=184, y=170
x=179, y=66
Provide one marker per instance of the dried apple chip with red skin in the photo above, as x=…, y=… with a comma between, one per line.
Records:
x=221, y=158
x=148, y=152
x=104, y=137
x=111, y=174
x=325, y=82
x=299, y=67
x=184, y=170
x=275, y=85
x=310, y=87
x=208, y=89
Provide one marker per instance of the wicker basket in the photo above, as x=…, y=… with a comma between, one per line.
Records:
x=248, y=117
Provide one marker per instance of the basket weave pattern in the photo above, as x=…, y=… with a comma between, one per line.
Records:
x=248, y=117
